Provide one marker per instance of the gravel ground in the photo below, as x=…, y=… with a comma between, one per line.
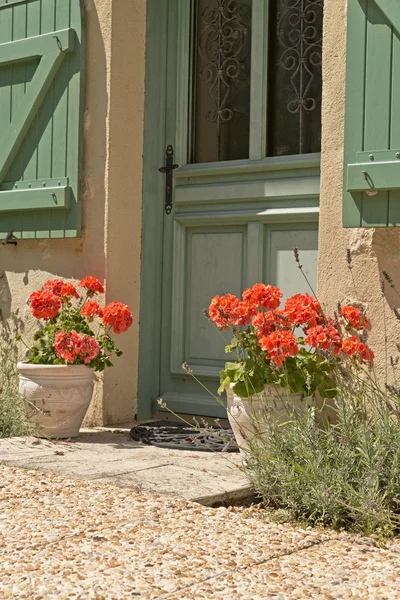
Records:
x=63, y=538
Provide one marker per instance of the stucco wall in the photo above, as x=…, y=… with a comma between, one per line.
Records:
x=109, y=248
x=371, y=249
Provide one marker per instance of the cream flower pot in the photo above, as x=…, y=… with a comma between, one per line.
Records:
x=56, y=397
x=247, y=416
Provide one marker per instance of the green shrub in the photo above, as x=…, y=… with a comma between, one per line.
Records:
x=12, y=415
x=344, y=474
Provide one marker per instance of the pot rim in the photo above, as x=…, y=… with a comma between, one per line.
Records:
x=267, y=386
x=25, y=366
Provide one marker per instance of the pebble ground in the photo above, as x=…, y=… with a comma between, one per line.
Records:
x=63, y=538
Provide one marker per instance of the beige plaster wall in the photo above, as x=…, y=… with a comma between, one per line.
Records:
x=109, y=248
x=371, y=249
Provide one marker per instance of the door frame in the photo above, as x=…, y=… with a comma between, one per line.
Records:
x=152, y=210
x=294, y=190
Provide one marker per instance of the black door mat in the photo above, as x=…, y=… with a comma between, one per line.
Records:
x=168, y=434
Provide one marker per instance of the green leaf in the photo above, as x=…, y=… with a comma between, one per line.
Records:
x=327, y=388
x=225, y=381
x=247, y=388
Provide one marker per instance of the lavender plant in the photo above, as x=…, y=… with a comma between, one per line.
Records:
x=346, y=473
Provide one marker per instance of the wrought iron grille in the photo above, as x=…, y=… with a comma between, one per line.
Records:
x=221, y=107
x=294, y=79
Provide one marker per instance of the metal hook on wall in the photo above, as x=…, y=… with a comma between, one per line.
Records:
x=372, y=191
x=10, y=238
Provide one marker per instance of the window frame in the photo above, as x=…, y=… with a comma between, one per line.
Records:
x=258, y=160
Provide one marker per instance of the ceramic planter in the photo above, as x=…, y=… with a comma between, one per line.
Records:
x=247, y=415
x=56, y=397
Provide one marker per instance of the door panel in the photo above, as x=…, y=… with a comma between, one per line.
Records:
x=207, y=261
x=282, y=269
x=215, y=265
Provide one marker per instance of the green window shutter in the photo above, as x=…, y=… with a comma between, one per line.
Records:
x=41, y=106
x=372, y=124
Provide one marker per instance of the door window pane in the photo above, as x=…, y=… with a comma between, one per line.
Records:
x=294, y=77
x=221, y=88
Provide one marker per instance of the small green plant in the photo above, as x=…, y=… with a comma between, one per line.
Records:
x=13, y=421
x=343, y=472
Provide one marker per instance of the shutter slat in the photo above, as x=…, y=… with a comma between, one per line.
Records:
x=377, y=107
x=355, y=89
x=31, y=219
x=394, y=196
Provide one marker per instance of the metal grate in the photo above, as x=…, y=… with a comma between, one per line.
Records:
x=166, y=434
x=221, y=98
x=295, y=77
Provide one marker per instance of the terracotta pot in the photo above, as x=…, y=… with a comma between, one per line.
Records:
x=57, y=397
x=247, y=415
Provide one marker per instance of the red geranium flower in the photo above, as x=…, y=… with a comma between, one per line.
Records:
x=279, y=345
x=88, y=349
x=71, y=345
x=118, y=316
x=44, y=304
x=267, y=322
x=366, y=353
x=228, y=309
x=92, y=285
x=67, y=345
x=90, y=309
x=239, y=314
x=267, y=296
x=326, y=338
x=303, y=309
x=68, y=291
x=354, y=317
x=350, y=345
x=54, y=286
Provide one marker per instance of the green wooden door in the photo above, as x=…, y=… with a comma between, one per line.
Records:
x=238, y=208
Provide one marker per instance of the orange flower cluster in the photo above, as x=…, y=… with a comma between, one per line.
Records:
x=61, y=289
x=261, y=295
x=72, y=345
x=228, y=310
x=118, y=316
x=279, y=345
x=352, y=345
x=44, y=304
x=91, y=309
x=324, y=337
x=54, y=286
x=92, y=285
x=267, y=322
x=303, y=309
x=274, y=328
x=354, y=317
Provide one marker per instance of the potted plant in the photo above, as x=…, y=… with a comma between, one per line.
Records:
x=73, y=341
x=282, y=358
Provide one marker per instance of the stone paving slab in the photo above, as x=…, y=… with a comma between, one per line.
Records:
x=110, y=456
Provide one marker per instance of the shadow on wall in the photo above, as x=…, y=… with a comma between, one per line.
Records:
x=27, y=265
x=386, y=246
